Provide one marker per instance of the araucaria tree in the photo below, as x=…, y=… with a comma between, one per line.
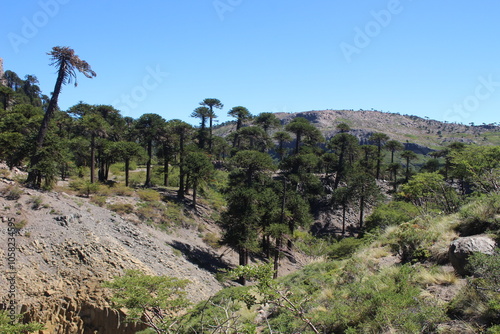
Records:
x=67, y=63
x=211, y=103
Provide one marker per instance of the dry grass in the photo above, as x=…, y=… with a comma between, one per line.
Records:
x=436, y=275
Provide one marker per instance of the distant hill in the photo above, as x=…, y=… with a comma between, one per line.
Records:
x=418, y=134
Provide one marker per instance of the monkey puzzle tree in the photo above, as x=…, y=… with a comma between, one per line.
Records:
x=245, y=209
x=149, y=127
x=211, y=103
x=267, y=121
x=379, y=139
x=183, y=130
x=200, y=169
x=282, y=137
x=408, y=156
x=202, y=113
x=126, y=151
x=67, y=63
x=345, y=145
x=241, y=114
x=302, y=128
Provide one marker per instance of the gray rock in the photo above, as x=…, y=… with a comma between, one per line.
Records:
x=461, y=248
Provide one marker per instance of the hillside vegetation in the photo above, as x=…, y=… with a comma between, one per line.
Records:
x=136, y=219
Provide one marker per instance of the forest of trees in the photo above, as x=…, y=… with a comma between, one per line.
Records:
x=278, y=175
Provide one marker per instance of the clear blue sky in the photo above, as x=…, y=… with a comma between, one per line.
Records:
x=436, y=59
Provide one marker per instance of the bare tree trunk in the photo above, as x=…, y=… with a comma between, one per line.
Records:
x=34, y=175
x=92, y=159
x=127, y=163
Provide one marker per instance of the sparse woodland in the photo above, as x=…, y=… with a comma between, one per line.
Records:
x=393, y=211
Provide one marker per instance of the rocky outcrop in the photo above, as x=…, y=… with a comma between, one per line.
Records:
x=68, y=247
x=461, y=248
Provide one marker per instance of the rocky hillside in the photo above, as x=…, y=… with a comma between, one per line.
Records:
x=420, y=134
x=68, y=246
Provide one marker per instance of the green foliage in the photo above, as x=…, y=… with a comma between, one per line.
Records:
x=119, y=167
x=480, y=299
x=391, y=214
x=149, y=195
x=345, y=247
x=12, y=326
x=222, y=313
x=480, y=165
x=413, y=240
x=155, y=301
x=480, y=215
x=121, y=208
x=84, y=187
x=430, y=191
x=98, y=200
x=36, y=202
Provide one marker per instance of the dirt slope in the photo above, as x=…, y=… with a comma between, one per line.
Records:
x=69, y=246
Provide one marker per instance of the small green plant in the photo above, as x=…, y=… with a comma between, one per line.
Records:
x=121, y=190
x=84, y=187
x=98, y=200
x=211, y=239
x=481, y=215
x=155, y=301
x=20, y=224
x=121, y=208
x=12, y=192
x=413, y=240
x=14, y=326
x=36, y=202
x=391, y=214
x=149, y=195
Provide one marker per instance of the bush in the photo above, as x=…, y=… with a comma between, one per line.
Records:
x=481, y=215
x=149, y=195
x=12, y=192
x=413, y=240
x=36, y=202
x=84, y=187
x=121, y=208
x=391, y=214
x=481, y=298
x=98, y=200
x=345, y=248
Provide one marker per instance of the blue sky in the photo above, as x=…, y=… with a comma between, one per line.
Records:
x=436, y=59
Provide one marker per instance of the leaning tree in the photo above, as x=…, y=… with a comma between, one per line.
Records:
x=67, y=62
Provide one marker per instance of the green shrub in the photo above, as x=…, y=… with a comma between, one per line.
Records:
x=345, y=248
x=119, y=167
x=121, y=208
x=481, y=215
x=99, y=200
x=149, y=195
x=480, y=299
x=391, y=214
x=84, y=187
x=12, y=192
x=413, y=240
x=121, y=190
x=211, y=239
x=36, y=202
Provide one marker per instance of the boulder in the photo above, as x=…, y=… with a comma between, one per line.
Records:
x=461, y=248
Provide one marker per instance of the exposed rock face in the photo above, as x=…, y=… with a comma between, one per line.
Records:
x=462, y=248
x=68, y=247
